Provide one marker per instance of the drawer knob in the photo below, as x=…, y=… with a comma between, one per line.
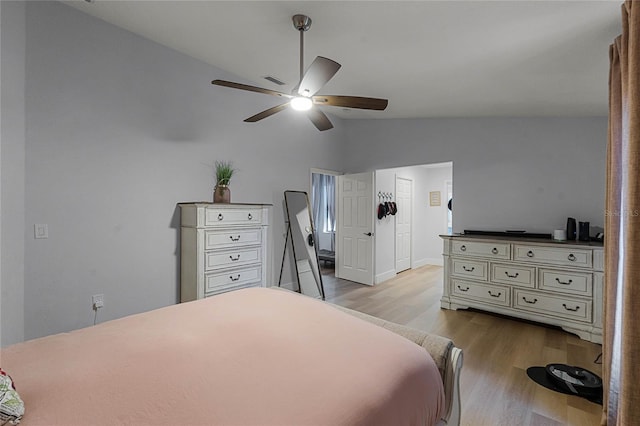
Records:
x=564, y=282
x=494, y=250
x=512, y=276
x=463, y=289
x=234, y=239
x=468, y=269
x=494, y=295
x=571, y=257
x=570, y=309
x=529, y=301
x=234, y=279
x=529, y=253
x=233, y=259
x=249, y=216
x=463, y=248
x=220, y=217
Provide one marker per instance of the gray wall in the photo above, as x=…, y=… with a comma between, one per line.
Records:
x=12, y=178
x=508, y=173
x=119, y=130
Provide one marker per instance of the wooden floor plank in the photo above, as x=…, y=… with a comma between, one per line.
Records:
x=498, y=350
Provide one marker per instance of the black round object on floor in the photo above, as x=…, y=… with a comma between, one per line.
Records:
x=576, y=379
x=568, y=380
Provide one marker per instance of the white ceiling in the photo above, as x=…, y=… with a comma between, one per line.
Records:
x=429, y=58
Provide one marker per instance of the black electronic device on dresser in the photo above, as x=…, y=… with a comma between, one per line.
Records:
x=583, y=231
x=571, y=229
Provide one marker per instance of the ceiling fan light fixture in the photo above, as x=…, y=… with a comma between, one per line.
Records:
x=300, y=103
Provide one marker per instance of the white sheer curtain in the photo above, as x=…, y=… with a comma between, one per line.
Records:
x=330, y=198
x=323, y=200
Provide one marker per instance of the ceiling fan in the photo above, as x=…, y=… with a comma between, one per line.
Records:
x=303, y=97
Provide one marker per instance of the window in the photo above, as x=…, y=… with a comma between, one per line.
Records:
x=323, y=200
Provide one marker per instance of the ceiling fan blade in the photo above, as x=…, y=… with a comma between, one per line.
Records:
x=249, y=88
x=351, y=102
x=319, y=119
x=267, y=113
x=317, y=75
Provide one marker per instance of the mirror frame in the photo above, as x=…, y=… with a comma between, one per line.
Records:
x=319, y=282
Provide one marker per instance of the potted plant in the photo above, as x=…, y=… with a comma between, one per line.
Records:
x=224, y=172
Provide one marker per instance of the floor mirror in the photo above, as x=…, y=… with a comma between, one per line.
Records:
x=302, y=236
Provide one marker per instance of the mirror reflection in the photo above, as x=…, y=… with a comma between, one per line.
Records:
x=302, y=236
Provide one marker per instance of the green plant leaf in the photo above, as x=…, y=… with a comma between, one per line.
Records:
x=224, y=172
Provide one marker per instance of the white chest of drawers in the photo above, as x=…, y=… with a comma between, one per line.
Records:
x=223, y=247
x=543, y=281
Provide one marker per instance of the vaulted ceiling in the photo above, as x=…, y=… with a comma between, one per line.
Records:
x=429, y=58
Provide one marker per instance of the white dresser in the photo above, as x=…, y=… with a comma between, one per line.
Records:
x=223, y=247
x=538, y=280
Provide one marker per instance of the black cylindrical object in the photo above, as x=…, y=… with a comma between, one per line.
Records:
x=583, y=231
x=571, y=229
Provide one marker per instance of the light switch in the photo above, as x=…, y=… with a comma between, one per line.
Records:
x=41, y=230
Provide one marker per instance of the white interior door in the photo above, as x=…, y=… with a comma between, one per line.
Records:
x=354, y=230
x=404, y=193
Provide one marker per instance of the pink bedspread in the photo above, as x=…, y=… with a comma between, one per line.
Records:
x=249, y=357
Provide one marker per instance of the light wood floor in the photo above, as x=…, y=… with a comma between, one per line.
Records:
x=497, y=350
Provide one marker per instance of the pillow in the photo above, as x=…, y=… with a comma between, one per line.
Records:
x=11, y=406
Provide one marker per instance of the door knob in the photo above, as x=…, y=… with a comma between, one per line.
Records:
x=368, y=233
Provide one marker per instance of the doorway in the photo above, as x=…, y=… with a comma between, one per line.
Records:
x=412, y=241
x=431, y=189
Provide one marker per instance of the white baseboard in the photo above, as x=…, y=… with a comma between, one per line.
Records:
x=438, y=261
x=385, y=276
x=289, y=286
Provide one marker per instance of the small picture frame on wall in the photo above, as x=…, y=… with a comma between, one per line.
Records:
x=434, y=198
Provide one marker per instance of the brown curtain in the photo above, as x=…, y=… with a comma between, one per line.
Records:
x=621, y=345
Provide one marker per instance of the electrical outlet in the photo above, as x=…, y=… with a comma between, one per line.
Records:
x=97, y=301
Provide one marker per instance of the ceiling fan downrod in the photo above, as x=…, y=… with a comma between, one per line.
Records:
x=301, y=23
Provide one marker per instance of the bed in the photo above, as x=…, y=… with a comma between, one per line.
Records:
x=256, y=356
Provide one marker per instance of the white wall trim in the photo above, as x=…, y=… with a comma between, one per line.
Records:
x=380, y=278
x=446, y=197
x=429, y=261
x=291, y=285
